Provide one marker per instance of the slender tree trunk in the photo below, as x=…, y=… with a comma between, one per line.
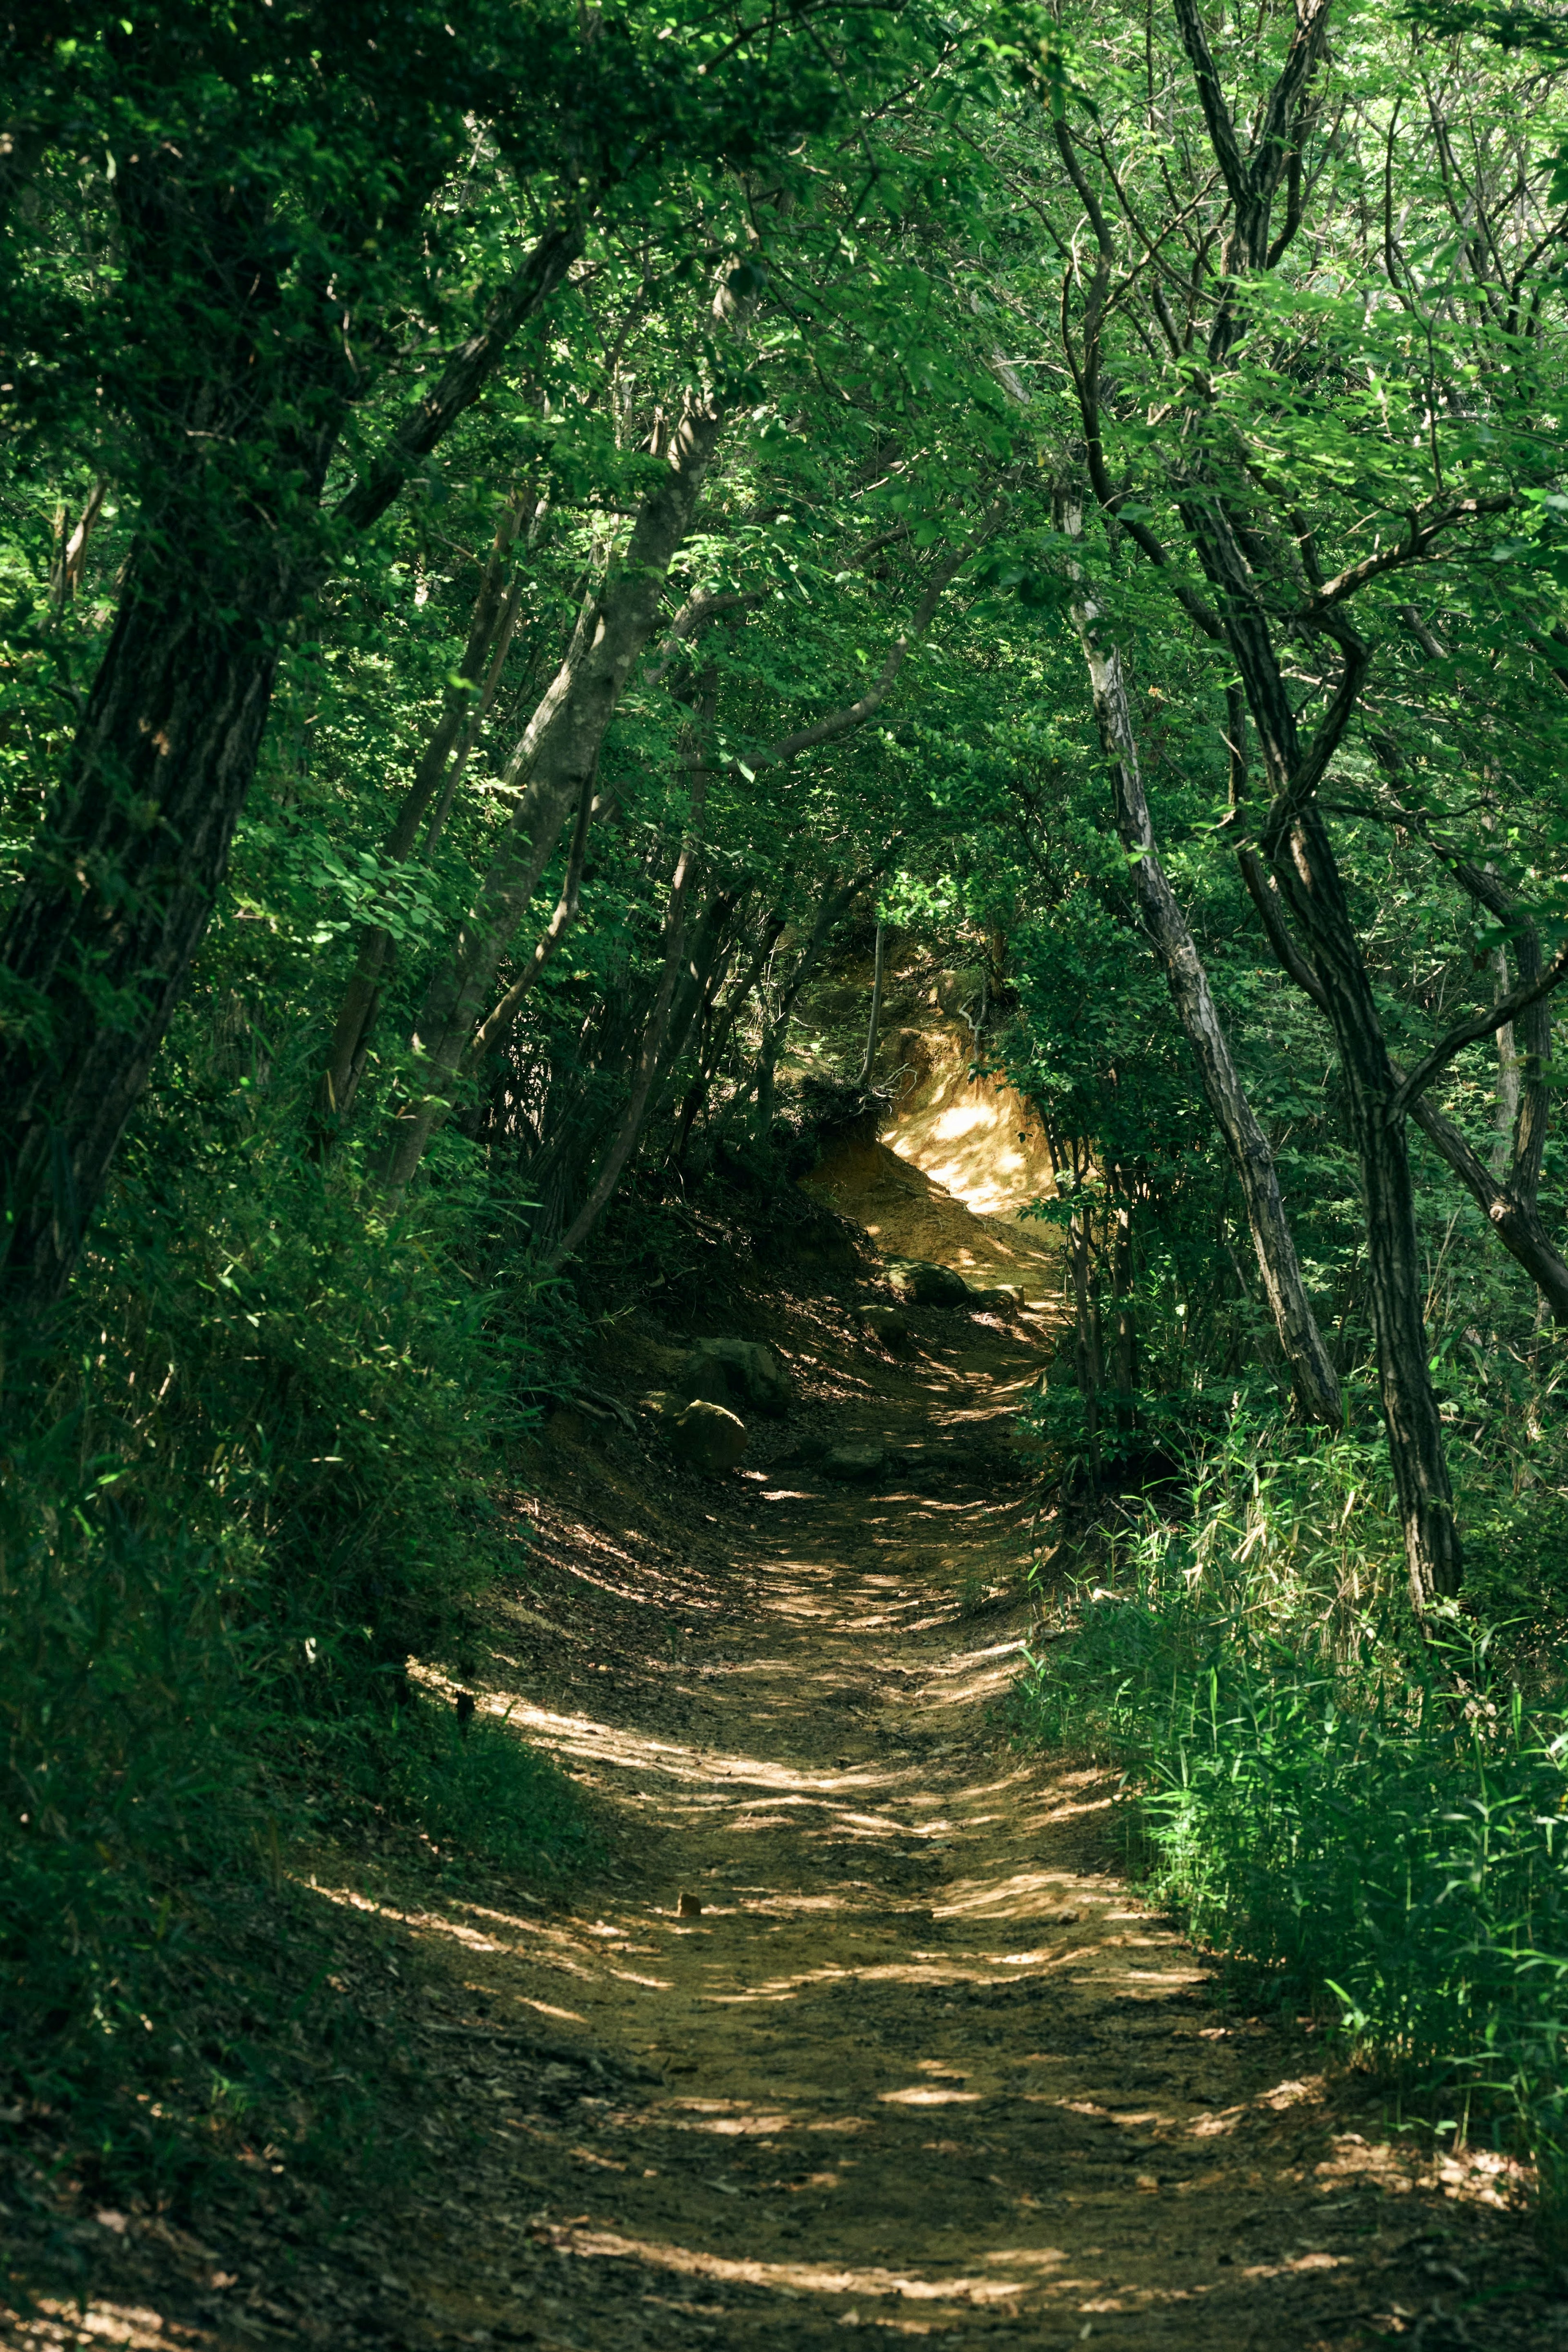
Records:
x=558, y=752
x=1312, y=1375
x=1508, y=1085
x=1087, y=1335
x=608, y=1174
x=1516, y=1223
x=490, y=631
x=1310, y=880
x=66, y=572
x=1127, y=1320
x=494, y=1029
x=1510, y=1209
x=701, y=976
x=875, y=1022
x=724, y=1029
x=835, y=898
x=1296, y=843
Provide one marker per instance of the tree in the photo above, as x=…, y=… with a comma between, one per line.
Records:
x=286, y=194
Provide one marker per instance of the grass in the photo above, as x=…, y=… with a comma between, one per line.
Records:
x=1354, y=1822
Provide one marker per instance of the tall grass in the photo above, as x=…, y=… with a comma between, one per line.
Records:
x=1350, y=1817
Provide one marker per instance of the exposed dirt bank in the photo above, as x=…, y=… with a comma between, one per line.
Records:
x=909, y=1214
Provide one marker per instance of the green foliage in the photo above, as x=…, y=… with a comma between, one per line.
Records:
x=255, y=1479
x=1350, y=1820
x=252, y=1468
x=481, y=1798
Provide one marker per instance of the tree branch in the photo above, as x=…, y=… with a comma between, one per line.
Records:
x=468, y=370
x=1481, y=1024
x=1423, y=532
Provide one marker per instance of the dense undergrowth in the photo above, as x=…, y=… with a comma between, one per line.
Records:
x=251, y=1478
x=1358, y=1821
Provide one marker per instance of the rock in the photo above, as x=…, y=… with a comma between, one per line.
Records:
x=923, y=1284
x=706, y=1436
x=857, y=1460
x=886, y=1324
x=1004, y=1298
x=735, y=1372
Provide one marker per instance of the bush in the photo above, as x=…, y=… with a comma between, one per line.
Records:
x=1345, y=1816
x=244, y=1480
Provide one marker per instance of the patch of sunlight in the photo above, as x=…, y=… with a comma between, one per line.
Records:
x=1296, y=2263
x=756, y=2124
x=925, y=2094
x=1008, y=1897
x=1471, y=2175
x=808, y=2278
x=139, y=2329
x=1034, y=2258
x=350, y=1899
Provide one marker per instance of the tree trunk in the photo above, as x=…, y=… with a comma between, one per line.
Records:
x=1296, y=843
x=557, y=754
x=1508, y=1085
x=702, y=966
x=875, y=1022
x=835, y=898
x=123, y=876
x=655, y=1036
x=1516, y=1223
x=1510, y=1209
x=494, y=1029
x=489, y=636
x=125, y=870
x=1308, y=876
x=724, y=1029
x=1312, y=1376
x=1126, y=1319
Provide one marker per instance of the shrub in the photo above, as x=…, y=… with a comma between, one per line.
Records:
x=1345, y=1816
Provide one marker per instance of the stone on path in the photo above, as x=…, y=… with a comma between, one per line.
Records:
x=856, y=1459
x=706, y=1436
x=886, y=1324
x=923, y=1285
x=732, y=1371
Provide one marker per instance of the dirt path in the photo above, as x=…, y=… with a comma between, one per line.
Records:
x=922, y=2063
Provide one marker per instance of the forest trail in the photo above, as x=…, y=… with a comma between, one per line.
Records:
x=922, y=2063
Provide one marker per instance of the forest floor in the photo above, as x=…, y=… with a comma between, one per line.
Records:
x=923, y=2062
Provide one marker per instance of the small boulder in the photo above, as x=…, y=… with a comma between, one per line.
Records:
x=888, y=1324
x=923, y=1285
x=856, y=1460
x=735, y=1372
x=706, y=1436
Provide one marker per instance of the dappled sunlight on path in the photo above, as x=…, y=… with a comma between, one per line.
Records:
x=859, y=2026
x=919, y=2061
